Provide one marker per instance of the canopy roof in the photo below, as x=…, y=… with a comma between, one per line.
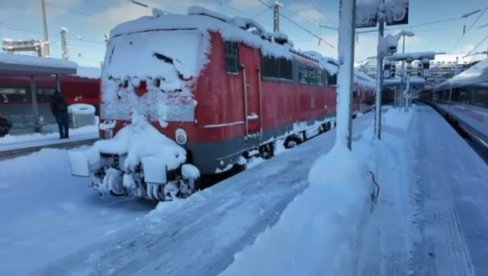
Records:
x=13, y=64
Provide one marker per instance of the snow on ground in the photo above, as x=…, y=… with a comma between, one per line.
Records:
x=431, y=217
x=45, y=213
x=199, y=235
x=17, y=141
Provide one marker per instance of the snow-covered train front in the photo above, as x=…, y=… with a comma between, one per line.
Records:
x=195, y=94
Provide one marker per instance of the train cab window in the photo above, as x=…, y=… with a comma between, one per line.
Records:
x=231, y=57
x=331, y=79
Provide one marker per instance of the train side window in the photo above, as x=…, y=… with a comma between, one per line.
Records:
x=14, y=95
x=480, y=97
x=286, y=69
x=277, y=68
x=309, y=75
x=231, y=57
x=269, y=67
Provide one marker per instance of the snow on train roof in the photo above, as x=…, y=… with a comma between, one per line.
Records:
x=363, y=79
x=477, y=74
x=33, y=65
x=231, y=29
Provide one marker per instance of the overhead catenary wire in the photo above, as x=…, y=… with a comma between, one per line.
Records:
x=316, y=7
x=477, y=45
x=300, y=26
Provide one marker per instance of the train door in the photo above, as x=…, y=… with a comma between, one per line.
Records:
x=250, y=69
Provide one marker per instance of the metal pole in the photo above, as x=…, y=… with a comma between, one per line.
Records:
x=44, y=22
x=403, y=74
x=34, y=103
x=347, y=21
x=276, y=16
x=379, y=70
x=407, y=105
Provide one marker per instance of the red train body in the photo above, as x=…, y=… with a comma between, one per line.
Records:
x=240, y=103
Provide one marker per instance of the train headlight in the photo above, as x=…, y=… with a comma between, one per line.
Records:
x=181, y=137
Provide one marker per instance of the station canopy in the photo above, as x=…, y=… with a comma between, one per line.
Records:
x=24, y=65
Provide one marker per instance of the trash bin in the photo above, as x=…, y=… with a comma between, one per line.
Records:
x=81, y=115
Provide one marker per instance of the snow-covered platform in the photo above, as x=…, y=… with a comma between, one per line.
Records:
x=14, y=145
x=431, y=217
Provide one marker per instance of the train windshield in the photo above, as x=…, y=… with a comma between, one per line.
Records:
x=155, y=53
x=166, y=61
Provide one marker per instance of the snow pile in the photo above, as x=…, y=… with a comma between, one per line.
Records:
x=318, y=232
x=397, y=118
x=321, y=230
x=135, y=141
x=81, y=109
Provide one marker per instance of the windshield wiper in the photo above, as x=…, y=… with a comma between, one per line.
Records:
x=163, y=58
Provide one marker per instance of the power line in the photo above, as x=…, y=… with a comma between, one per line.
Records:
x=39, y=32
x=323, y=13
x=477, y=45
x=300, y=26
x=477, y=19
x=66, y=9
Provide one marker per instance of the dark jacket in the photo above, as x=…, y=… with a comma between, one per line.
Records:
x=58, y=104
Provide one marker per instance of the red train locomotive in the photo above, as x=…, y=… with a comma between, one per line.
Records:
x=221, y=89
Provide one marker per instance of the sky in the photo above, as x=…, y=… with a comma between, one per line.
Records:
x=438, y=24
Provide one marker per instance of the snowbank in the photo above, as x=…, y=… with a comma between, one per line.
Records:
x=320, y=232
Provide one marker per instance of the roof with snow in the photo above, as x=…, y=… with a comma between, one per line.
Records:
x=414, y=80
x=13, y=64
x=236, y=29
x=413, y=55
x=476, y=75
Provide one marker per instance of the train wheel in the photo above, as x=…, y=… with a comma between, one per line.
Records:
x=292, y=142
x=3, y=131
x=267, y=151
x=112, y=182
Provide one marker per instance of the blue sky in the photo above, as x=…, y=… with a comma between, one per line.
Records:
x=88, y=20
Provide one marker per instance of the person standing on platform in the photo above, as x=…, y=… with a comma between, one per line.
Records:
x=59, y=108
